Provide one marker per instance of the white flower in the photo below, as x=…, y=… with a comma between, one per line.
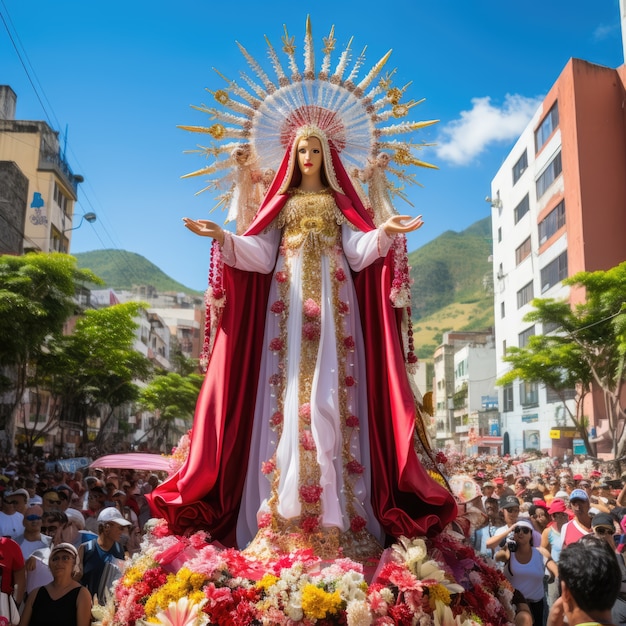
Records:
x=183, y=613
x=358, y=613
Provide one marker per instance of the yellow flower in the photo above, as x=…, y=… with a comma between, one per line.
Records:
x=317, y=603
x=217, y=131
x=267, y=581
x=438, y=593
x=221, y=96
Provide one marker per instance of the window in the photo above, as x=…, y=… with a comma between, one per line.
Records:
x=520, y=167
x=525, y=295
x=550, y=327
x=521, y=209
x=528, y=393
x=554, y=272
x=499, y=235
x=552, y=396
x=507, y=398
x=522, y=251
x=552, y=222
x=525, y=335
x=549, y=175
x=547, y=127
x=504, y=347
x=60, y=198
x=501, y=309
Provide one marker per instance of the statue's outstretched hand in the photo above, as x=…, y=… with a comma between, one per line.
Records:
x=205, y=228
x=402, y=224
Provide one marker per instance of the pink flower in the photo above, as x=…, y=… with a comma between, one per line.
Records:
x=305, y=412
x=278, y=307
x=340, y=275
x=311, y=308
x=311, y=331
x=306, y=440
x=354, y=467
x=276, y=419
x=280, y=277
x=357, y=523
x=276, y=345
x=350, y=381
x=265, y=519
x=267, y=467
x=310, y=493
x=199, y=539
x=310, y=523
x=352, y=421
x=343, y=307
x=348, y=342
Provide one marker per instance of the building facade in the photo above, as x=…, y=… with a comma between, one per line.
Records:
x=558, y=208
x=45, y=220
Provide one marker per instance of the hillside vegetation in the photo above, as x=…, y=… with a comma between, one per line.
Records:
x=451, y=281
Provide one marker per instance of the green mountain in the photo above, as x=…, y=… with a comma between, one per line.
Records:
x=120, y=269
x=451, y=281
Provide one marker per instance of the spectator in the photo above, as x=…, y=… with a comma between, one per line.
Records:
x=590, y=581
x=32, y=539
x=525, y=566
x=21, y=497
x=539, y=516
x=96, y=502
x=488, y=489
x=489, y=529
x=576, y=528
x=105, y=550
x=510, y=507
x=63, y=601
x=11, y=520
x=12, y=568
x=51, y=501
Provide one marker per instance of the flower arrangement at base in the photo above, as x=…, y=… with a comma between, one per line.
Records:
x=188, y=581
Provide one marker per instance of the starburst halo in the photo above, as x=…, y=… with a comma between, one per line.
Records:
x=255, y=123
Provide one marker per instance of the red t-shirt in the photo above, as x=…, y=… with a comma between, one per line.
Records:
x=11, y=560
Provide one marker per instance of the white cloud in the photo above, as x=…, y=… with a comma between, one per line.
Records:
x=484, y=124
x=605, y=31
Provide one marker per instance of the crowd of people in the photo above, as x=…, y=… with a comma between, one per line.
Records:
x=534, y=514
x=64, y=536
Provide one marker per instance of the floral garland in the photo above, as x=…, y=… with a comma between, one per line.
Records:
x=187, y=581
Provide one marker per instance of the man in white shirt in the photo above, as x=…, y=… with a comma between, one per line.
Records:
x=10, y=520
x=32, y=539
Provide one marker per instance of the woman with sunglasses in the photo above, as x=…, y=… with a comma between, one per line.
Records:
x=525, y=566
x=603, y=527
x=62, y=602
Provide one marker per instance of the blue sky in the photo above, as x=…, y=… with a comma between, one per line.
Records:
x=120, y=76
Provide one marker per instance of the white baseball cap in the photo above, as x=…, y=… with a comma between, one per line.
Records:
x=111, y=514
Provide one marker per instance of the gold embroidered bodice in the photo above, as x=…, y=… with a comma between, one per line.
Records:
x=312, y=219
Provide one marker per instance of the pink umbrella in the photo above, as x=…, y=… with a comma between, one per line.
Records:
x=134, y=460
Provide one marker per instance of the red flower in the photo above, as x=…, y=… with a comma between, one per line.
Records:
x=354, y=467
x=352, y=421
x=343, y=307
x=340, y=275
x=411, y=358
x=275, y=379
x=310, y=493
x=278, y=307
x=348, y=342
x=305, y=412
x=311, y=331
x=276, y=419
x=276, y=345
x=265, y=519
x=441, y=458
x=280, y=277
x=267, y=467
x=350, y=381
x=310, y=523
x=357, y=523
x=218, y=293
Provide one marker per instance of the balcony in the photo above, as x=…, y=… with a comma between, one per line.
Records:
x=55, y=162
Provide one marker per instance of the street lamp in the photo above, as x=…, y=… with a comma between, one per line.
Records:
x=90, y=217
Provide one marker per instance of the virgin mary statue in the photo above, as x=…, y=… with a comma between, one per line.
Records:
x=307, y=431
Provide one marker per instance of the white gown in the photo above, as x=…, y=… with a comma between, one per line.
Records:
x=309, y=454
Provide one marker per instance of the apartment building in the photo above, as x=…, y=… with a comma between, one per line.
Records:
x=37, y=210
x=558, y=208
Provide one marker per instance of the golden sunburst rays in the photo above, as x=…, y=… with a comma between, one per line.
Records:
x=260, y=111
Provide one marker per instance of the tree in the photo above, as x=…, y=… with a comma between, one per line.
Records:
x=36, y=298
x=587, y=349
x=94, y=370
x=169, y=396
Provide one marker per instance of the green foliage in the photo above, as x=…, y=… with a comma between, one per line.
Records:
x=120, y=269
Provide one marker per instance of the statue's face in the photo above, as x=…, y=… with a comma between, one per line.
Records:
x=310, y=156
